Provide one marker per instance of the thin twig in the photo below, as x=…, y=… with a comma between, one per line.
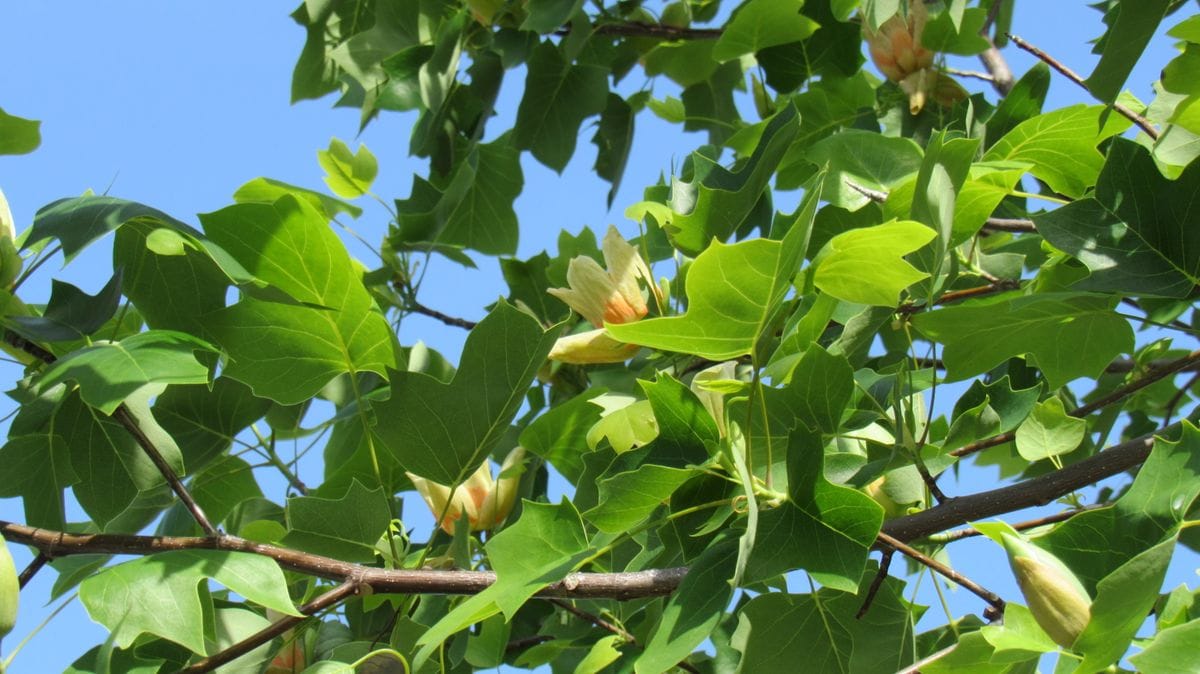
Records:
x=874, y=195
x=30, y=571
x=595, y=620
x=930, y=481
x=1174, y=401
x=1118, y=394
x=885, y=562
x=1074, y=77
x=525, y=642
x=974, y=74
x=453, y=321
x=912, y=553
x=326, y=600
x=968, y=532
x=1002, y=285
x=126, y=419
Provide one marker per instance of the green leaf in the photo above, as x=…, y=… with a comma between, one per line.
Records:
x=222, y=486
x=1024, y=101
x=866, y=265
x=233, y=625
x=986, y=186
x=1049, y=431
x=204, y=420
x=1173, y=651
x=823, y=528
x=268, y=191
x=1095, y=543
x=542, y=547
x=38, y=468
x=1123, y=599
x=733, y=293
x=112, y=468
x=289, y=352
x=602, y=654
x=758, y=24
x=777, y=632
x=687, y=432
x=1131, y=26
x=1061, y=146
x=1135, y=234
x=626, y=428
x=443, y=431
x=77, y=222
x=560, y=434
x=558, y=97
x=158, y=594
x=71, y=313
x=614, y=136
x=628, y=498
x=866, y=159
x=547, y=16
x=1018, y=632
x=345, y=528
x=107, y=373
x=819, y=388
x=1068, y=335
x=348, y=174
x=18, y=135
x=473, y=210
x=717, y=200
x=693, y=611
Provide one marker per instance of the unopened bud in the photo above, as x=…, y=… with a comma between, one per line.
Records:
x=10, y=590
x=1056, y=598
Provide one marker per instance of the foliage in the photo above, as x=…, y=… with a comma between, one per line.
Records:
x=772, y=412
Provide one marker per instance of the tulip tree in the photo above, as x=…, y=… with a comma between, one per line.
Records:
x=759, y=415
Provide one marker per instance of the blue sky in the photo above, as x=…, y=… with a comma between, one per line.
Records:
x=177, y=104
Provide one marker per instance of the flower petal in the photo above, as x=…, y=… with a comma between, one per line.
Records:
x=593, y=346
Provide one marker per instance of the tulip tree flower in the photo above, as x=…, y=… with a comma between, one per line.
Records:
x=484, y=500
x=1056, y=598
x=897, y=51
x=603, y=296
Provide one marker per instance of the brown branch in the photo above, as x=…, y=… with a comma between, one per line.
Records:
x=643, y=29
x=595, y=620
x=30, y=571
x=950, y=574
x=1015, y=225
x=1074, y=77
x=1034, y=492
x=526, y=642
x=122, y=416
x=326, y=600
x=993, y=61
x=625, y=585
x=453, y=321
x=130, y=424
x=885, y=562
x=1118, y=394
x=958, y=535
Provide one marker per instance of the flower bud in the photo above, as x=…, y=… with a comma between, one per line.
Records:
x=1056, y=598
x=714, y=401
x=10, y=590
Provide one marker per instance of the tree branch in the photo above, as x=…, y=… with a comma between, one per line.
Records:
x=959, y=534
x=122, y=416
x=595, y=620
x=1074, y=77
x=1015, y=225
x=326, y=600
x=1037, y=491
x=627, y=585
x=453, y=321
x=30, y=571
x=642, y=29
x=950, y=574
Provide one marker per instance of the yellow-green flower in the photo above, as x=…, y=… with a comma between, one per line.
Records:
x=485, y=501
x=612, y=295
x=1056, y=598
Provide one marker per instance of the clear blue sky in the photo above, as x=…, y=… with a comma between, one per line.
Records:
x=177, y=104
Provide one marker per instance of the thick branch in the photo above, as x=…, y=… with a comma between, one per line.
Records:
x=129, y=423
x=326, y=600
x=630, y=585
x=1037, y=491
x=1074, y=77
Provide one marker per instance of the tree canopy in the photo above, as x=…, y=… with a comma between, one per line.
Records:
x=721, y=445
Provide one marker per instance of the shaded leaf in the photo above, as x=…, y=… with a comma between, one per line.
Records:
x=344, y=528
x=758, y=24
x=558, y=97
